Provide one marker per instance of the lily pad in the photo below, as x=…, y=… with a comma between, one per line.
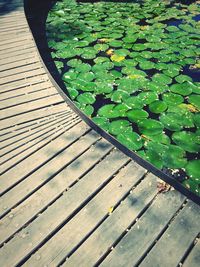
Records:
x=101, y=122
x=187, y=140
x=150, y=127
x=119, y=126
x=157, y=106
x=193, y=170
x=131, y=140
x=174, y=157
x=181, y=89
x=136, y=115
x=86, y=98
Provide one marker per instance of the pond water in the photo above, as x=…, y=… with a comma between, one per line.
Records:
x=134, y=68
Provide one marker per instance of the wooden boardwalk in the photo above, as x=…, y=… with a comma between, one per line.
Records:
x=68, y=197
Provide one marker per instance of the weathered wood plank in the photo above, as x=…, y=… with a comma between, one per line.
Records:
x=34, y=115
x=17, y=130
x=88, y=218
x=61, y=210
x=20, y=69
x=25, y=91
x=171, y=247
x=19, y=52
x=20, y=76
x=53, y=166
x=50, y=191
x=48, y=137
x=32, y=137
x=29, y=130
x=46, y=153
x=116, y=224
x=193, y=259
x=24, y=83
x=11, y=102
x=30, y=106
x=19, y=63
x=130, y=250
x=12, y=61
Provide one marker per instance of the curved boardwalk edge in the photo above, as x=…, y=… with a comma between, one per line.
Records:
x=68, y=197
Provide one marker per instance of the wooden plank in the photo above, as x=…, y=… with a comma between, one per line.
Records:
x=194, y=257
x=20, y=76
x=13, y=32
x=50, y=191
x=11, y=122
x=30, y=129
x=111, y=229
x=88, y=218
x=17, y=144
x=11, y=102
x=17, y=131
x=13, y=28
x=130, y=250
x=30, y=106
x=10, y=62
x=173, y=244
x=19, y=63
x=16, y=38
x=19, y=52
x=61, y=210
x=52, y=167
x=24, y=83
x=25, y=44
x=25, y=90
x=14, y=44
x=20, y=69
x=41, y=157
x=11, y=162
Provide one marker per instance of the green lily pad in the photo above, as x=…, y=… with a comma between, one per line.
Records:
x=136, y=115
x=172, y=99
x=193, y=170
x=103, y=87
x=183, y=78
x=195, y=100
x=73, y=93
x=161, y=79
x=86, y=98
x=157, y=106
x=131, y=140
x=150, y=127
x=108, y=111
x=88, y=110
x=154, y=158
x=133, y=102
x=181, y=89
x=119, y=126
x=86, y=76
x=101, y=47
x=147, y=65
x=187, y=140
x=119, y=95
x=101, y=122
x=74, y=62
x=83, y=67
x=148, y=97
x=174, y=157
x=68, y=76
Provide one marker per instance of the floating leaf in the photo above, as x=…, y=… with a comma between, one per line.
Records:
x=86, y=98
x=119, y=126
x=150, y=127
x=137, y=115
x=157, y=106
x=193, y=170
x=131, y=140
x=187, y=140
